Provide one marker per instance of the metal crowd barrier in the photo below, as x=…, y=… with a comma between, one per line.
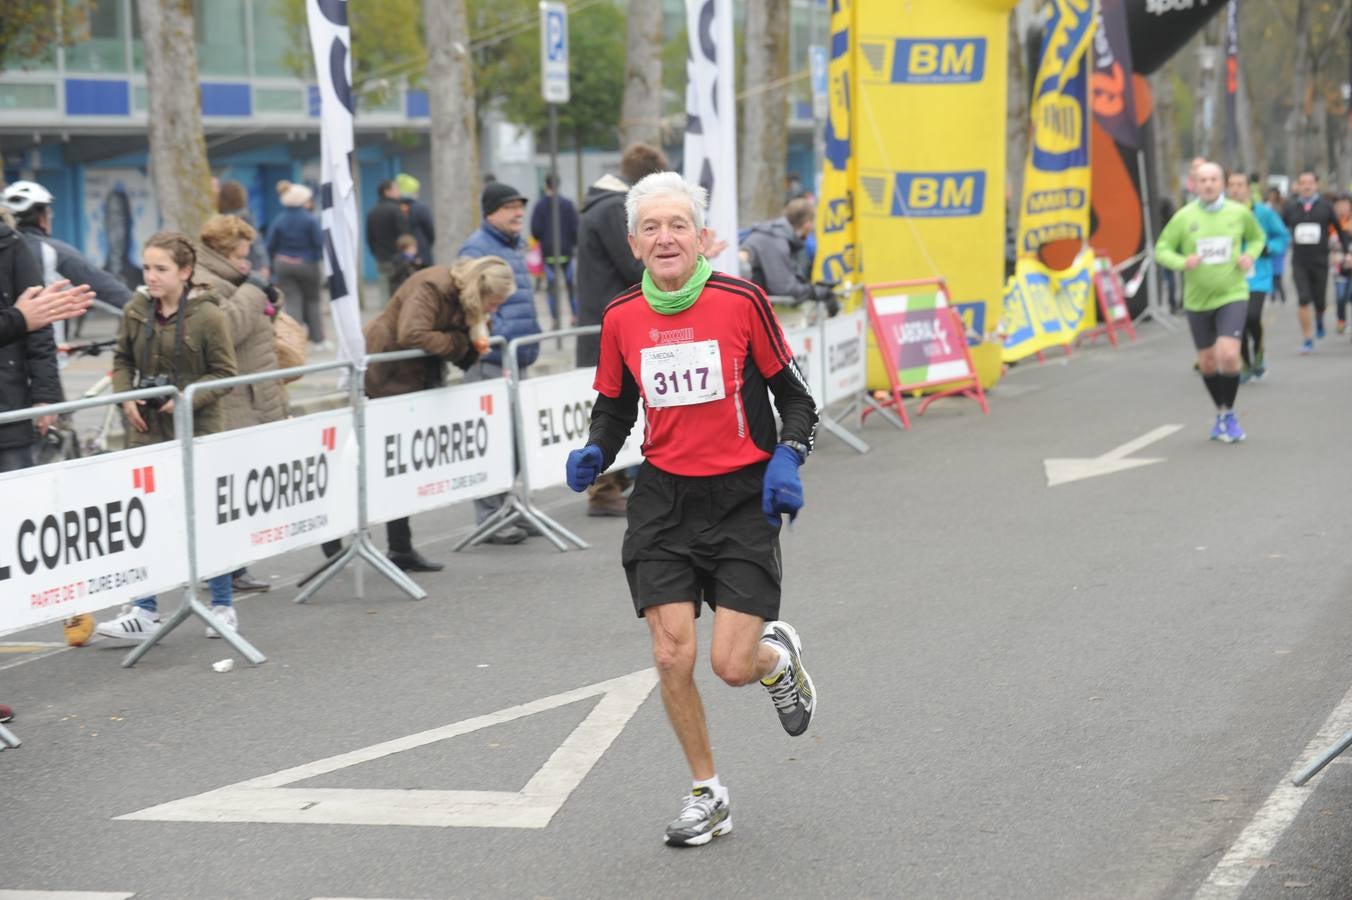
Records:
x=518, y=506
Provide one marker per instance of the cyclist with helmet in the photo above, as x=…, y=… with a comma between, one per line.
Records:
x=32, y=206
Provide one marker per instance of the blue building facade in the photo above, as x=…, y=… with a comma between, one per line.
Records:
x=75, y=120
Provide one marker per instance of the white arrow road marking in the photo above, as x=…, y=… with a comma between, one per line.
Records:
x=1063, y=471
x=266, y=799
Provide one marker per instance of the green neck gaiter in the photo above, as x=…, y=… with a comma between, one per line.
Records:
x=669, y=303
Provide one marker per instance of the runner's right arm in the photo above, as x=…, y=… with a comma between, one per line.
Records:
x=612, y=417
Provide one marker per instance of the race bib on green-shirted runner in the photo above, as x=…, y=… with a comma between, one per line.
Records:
x=682, y=374
x=1214, y=251
x=1307, y=233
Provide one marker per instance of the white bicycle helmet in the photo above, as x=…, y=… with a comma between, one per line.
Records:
x=22, y=196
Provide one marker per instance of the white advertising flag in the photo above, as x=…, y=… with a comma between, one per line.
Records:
x=332, y=42
x=711, y=119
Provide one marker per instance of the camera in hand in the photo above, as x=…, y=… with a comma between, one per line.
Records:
x=153, y=381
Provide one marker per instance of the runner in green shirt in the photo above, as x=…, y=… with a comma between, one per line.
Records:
x=1214, y=242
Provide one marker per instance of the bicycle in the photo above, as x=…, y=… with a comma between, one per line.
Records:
x=62, y=441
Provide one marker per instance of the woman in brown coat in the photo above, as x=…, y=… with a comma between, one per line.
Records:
x=444, y=311
x=223, y=268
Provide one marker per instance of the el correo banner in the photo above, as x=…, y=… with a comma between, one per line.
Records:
x=1055, y=204
x=556, y=417
x=843, y=369
x=273, y=488
x=82, y=535
x=433, y=448
x=1047, y=308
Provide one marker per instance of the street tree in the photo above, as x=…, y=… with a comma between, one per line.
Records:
x=641, y=109
x=763, y=118
x=454, y=143
x=178, y=152
x=29, y=29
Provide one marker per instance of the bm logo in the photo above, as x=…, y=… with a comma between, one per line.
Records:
x=932, y=195
x=939, y=61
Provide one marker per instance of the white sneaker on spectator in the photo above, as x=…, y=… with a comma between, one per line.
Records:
x=134, y=624
x=227, y=615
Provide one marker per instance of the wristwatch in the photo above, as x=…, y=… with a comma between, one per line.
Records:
x=797, y=447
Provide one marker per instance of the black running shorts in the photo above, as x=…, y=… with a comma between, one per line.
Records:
x=1223, y=321
x=1312, y=284
x=702, y=540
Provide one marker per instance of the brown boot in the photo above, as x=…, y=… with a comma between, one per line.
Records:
x=606, y=496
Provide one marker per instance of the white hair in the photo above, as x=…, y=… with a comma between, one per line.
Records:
x=665, y=184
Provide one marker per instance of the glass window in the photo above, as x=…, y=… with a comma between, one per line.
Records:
x=272, y=43
x=220, y=37
x=27, y=96
x=279, y=100
x=106, y=48
x=219, y=26
x=140, y=98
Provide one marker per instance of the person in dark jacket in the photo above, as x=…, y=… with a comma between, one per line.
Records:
x=504, y=212
x=296, y=245
x=420, y=222
x=40, y=306
x=606, y=266
x=561, y=255
x=32, y=207
x=28, y=375
x=384, y=223
x=776, y=251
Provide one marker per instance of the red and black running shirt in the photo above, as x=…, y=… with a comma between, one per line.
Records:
x=703, y=375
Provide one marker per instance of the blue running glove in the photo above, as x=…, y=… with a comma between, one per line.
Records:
x=783, y=490
x=583, y=467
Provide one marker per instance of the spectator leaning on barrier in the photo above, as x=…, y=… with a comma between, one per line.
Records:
x=296, y=243
x=443, y=311
x=172, y=332
x=233, y=200
x=606, y=267
x=250, y=309
x=776, y=251
x=28, y=375
x=500, y=235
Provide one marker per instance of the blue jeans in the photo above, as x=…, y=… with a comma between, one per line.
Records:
x=1340, y=292
x=221, y=591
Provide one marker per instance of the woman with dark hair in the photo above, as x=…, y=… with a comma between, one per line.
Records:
x=233, y=200
x=172, y=328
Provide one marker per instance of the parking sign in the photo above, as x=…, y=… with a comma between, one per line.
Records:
x=554, y=51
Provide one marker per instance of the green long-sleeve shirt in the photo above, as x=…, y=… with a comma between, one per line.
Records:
x=1220, y=238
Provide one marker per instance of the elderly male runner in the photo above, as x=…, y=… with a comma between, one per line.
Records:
x=1214, y=242
x=701, y=348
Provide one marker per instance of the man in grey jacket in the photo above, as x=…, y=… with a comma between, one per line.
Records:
x=775, y=253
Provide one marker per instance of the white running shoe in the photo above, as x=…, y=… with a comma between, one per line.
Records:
x=134, y=624
x=703, y=817
x=227, y=615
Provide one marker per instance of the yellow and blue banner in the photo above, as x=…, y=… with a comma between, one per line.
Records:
x=1055, y=203
x=835, y=260
x=1047, y=307
x=929, y=148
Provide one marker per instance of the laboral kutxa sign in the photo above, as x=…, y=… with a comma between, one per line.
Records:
x=433, y=448
x=273, y=488
x=90, y=533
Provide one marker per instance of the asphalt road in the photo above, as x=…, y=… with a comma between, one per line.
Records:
x=1089, y=690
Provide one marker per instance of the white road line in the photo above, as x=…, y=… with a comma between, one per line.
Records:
x=269, y=799
x=1251, y=849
